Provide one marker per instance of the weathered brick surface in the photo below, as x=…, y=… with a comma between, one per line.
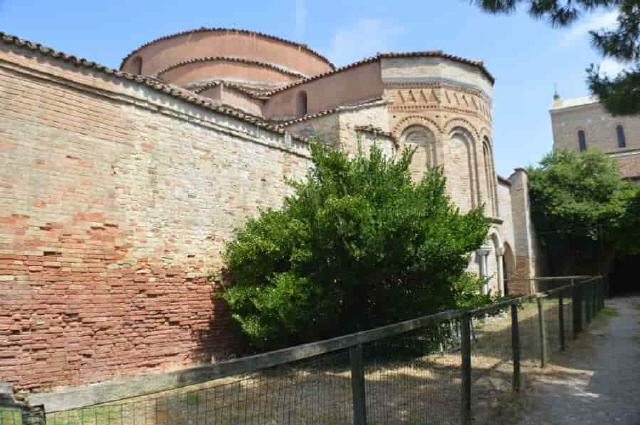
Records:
x=116, y=200
x=114, y=205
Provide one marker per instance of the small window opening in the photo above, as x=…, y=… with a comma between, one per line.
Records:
x=622, y=142
x=136, y=65
x=301, y=104
x=582, y=141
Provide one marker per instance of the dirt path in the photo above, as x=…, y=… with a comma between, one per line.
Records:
x=597, y=381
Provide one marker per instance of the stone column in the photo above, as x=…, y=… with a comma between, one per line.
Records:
x=483, y=256
x=500, y=256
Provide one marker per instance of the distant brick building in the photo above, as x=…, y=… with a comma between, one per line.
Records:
x=118, y=188
x=583, y=123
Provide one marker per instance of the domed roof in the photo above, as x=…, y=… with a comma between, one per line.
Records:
x=199, y=56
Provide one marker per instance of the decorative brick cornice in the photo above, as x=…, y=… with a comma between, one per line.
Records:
x=450, y=125
x=407, y=122
x=235, y=59
x=231, y=30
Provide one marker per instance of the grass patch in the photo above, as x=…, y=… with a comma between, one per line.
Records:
x=608, y=312
x=10, y=416
x=636, y=338
x=636, y=306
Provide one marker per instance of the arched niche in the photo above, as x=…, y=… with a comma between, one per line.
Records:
x=423, y=141
x=460, y=169
x=489, y=178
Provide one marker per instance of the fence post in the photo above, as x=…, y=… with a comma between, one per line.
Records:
x=561, y=320
x=515, y=347
x=357, y=385
x=603, y=290
x=543, y=333
x=33, y=415
x=576, y=305
x=600, y=294
x=589, y=303
x=465, y=350
x=29, y=415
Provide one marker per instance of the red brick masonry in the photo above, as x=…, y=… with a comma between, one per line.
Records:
x=71, y=320
x=115, y=200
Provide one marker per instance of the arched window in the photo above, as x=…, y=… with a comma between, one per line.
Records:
x=423, y=141
x=301, y=104
x=582, y=141
x=622, y=142
x=136, y=65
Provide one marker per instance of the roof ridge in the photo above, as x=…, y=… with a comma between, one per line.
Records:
x=255, y=94
x=364, y=61
x=153, y=83
x=364, y=104
x=378, y=56
x=232, y=30
x=232, y=59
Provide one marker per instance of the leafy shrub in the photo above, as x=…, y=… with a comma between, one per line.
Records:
x=357, y=245
x=584, y=211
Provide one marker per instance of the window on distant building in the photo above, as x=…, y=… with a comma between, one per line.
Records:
x=582, y=141
x=622, y=142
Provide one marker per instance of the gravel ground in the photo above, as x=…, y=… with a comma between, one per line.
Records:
x=597, y=381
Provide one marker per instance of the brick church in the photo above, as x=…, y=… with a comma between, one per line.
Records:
x=118, y=188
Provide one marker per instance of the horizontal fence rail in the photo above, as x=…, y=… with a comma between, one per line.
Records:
x=453, y=367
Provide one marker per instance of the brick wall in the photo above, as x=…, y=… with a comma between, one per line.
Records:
x=115, y=200
x=600, y=133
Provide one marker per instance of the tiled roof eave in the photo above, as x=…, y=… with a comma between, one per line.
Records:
x=379, y=56
x=152, y=83
x=365, y=104
x=377, y=131
x=253, y=94
x=278, y=68
x=238, y=31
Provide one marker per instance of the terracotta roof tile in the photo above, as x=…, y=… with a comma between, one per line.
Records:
x=428, y=53
x=375, y=130
x=150, y=82
x=286, y=123
x=253, y=92
x=233, y=59
x=504, y=180
x=230, y=30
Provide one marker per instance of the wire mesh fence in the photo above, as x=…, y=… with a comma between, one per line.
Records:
x=568, y=316
x=9, y=416
x=491, y=364
x=529, y=331
x=414, y=378
x=456, y=367
x=315, y=390
x=552, y=321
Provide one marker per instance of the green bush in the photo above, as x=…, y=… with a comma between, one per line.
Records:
x=584, y=211
x=357, y=245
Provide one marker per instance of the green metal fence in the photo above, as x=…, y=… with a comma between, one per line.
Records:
x=454, y=367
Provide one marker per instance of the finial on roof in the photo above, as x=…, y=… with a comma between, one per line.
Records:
x=556, y=95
